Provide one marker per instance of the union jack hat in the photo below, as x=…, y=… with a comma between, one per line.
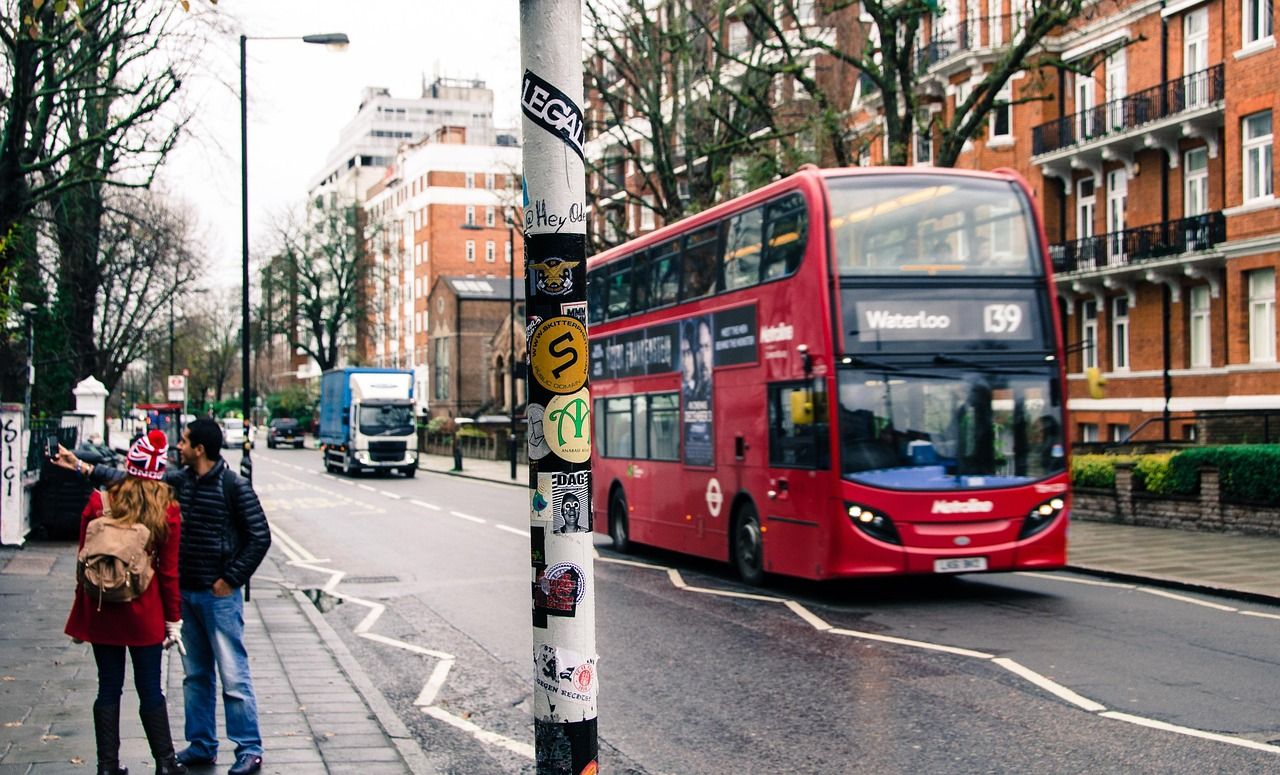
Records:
x=147, y=456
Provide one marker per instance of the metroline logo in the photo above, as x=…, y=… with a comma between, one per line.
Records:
x=878, y=319
x=971, y=506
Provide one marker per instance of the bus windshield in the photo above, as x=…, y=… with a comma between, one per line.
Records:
x=949, y=429
x=386, y=420
x=931, y=225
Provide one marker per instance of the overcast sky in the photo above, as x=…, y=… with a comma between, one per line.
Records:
x=300, y=96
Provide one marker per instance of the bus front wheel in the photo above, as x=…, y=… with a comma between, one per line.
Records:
x=618, y=522
x=748, y=545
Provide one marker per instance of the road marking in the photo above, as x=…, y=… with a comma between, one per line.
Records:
x=432, y=687
x=1167, y=727
x=1185, y=599
x=728, y=593
x=807, y=615
x=286, y=539
x=367, y=487
x=484, y=736
x=631, y=563
x=515, y=530
x=1070, y=580
x=467, y=517
x=1053, y=687
x=1261, y=614
x=345, y=482
x=676, y=578
x=919, y=644
x=389, y=494
x=425, y=505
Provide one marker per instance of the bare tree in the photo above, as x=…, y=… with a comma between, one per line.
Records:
x=321, y=254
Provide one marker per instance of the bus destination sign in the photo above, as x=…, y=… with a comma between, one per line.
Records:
x=988, y=318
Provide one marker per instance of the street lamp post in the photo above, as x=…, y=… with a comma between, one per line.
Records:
x=511, y=361
x=29, y=310
x=336, y=40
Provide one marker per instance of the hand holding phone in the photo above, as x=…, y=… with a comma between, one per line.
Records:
x=52, y=445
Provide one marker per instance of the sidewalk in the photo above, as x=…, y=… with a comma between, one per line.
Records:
x=1246, y=566
x=318, y=712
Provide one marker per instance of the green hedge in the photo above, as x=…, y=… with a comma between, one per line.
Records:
x=1247, y=472
x=1096, y=470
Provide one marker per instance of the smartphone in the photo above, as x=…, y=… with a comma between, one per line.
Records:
x=52, y=444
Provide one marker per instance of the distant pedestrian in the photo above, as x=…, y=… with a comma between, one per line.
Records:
x=144, y=625
x=225, y=537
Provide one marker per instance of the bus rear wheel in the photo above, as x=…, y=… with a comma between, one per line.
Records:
x=747, y=547
x=618, y=522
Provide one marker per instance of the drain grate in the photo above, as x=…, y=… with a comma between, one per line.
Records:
x=371, y=579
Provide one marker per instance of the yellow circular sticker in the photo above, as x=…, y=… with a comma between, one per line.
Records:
x=567, y=426
x=558, y=354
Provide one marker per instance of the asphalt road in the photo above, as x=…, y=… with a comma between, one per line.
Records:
x=994, y=673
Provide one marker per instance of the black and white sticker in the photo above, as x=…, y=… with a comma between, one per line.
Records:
x=551, y=109
x=571, y=502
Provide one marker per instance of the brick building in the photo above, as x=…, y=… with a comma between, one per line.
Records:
x=465, y=314
x=443, y=209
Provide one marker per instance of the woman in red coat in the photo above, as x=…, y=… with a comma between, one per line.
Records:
x=144, y=626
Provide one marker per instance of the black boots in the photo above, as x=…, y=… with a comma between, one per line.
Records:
x=155, y=723
x=106, y=730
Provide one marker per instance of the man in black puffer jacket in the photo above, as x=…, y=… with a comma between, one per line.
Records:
x=224, y=537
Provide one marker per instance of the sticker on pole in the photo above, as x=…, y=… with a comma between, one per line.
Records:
x=537, y=442
x=558, y=354
x=540, y=500
x=554, y=276
x=570, y=502
x=567, y=426
x=554, y=111
x=715, y=497
x=569, y=678
x=559, y=589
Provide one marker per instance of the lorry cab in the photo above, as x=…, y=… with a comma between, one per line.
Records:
x=366, y=421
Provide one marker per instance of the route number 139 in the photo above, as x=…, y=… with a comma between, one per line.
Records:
x=1001, y=318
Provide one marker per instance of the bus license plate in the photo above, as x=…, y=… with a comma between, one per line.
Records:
x=959, y=564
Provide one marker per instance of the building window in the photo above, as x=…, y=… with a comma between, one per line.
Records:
x=471, y=216
x=1086, y=208
x=647, y=221
x=1120, y=333
x=738, y=37
x=1258, y=21
x=425, y=251
x=471, y=250
x=1257, y=156
x=1262, y=315
x=1196, y=182
x=924, y=145
x=488, y=217
x=1195, y=57
x=1089, y=335
x=471, y=180
x=488, y=180
x=508, y=252
x=490, y=251
x=1001, y=121
x=1089, y=432
x=440, y=369
x=1198, y=327
x=417, y=254
x=1118, y=431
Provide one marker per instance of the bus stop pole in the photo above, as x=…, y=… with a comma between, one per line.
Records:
x=559, y=403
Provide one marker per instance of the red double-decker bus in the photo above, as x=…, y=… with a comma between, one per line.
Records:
x=845, y=373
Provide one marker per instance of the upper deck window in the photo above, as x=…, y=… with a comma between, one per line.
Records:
x=930, y=224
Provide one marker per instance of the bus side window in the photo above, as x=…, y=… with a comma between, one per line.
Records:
x=617, y=426
x=595, y=297
x=600, y=440
x=664, y=426
x=619, y=297
x=664, y=273
x=785, y=237
x=798, y=425
x=640, y=427
x=701, y=263
x=641, y=285
x=742, y=249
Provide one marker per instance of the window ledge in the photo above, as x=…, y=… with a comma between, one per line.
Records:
x=1261, y=203
x=1000, y=142
x=1256, y=47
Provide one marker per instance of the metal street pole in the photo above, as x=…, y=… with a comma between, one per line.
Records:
x=337, y=40
x=30, y=310
x=559, y=404
x=511, y=361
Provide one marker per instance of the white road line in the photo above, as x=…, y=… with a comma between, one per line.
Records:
x=729, y=593
x=367, y=487
x=425, y=505
x=1185, y=599
x=1261, y=614
x=1070, y=580
x=807, y=615
x=918, y=644
x=1053, y=687
x=299, y=552
x=676, y=578
x=493, y=738
x=389, y=494
x=345, y=482
x=515, y=530
x=467, y=517
x=432, y=687
x=1152, y=723
x=632, y=563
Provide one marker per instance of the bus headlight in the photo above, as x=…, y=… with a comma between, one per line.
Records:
x=1041, y=517
x=873, y=522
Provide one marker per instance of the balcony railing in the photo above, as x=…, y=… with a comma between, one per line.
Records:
x=1197, y=90
x=968, y=35
x=1141, y=243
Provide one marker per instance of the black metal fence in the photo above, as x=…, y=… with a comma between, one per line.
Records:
x=1141, y=243
x=41, y=431
x=968, y=35
x=1197, y=90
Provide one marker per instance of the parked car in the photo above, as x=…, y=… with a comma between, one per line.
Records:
x=233, y=433
x=284, y=430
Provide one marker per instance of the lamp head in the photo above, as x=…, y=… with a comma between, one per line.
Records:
x=334, y=40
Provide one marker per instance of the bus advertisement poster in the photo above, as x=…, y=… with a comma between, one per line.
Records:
x=697, y=369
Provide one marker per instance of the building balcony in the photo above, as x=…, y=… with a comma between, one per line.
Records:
x=962, y=44
x=1140, y=249
x=1191, y=106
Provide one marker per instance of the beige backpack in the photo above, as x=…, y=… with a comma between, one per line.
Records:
x=114, y=565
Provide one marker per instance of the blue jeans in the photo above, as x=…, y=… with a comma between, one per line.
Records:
x=213, y=632
x=146, y=674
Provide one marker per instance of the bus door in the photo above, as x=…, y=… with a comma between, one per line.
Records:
x=793, y=510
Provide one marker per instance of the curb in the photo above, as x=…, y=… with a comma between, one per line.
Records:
x=405, y=743
x=1173, y=582
x=473, y=477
